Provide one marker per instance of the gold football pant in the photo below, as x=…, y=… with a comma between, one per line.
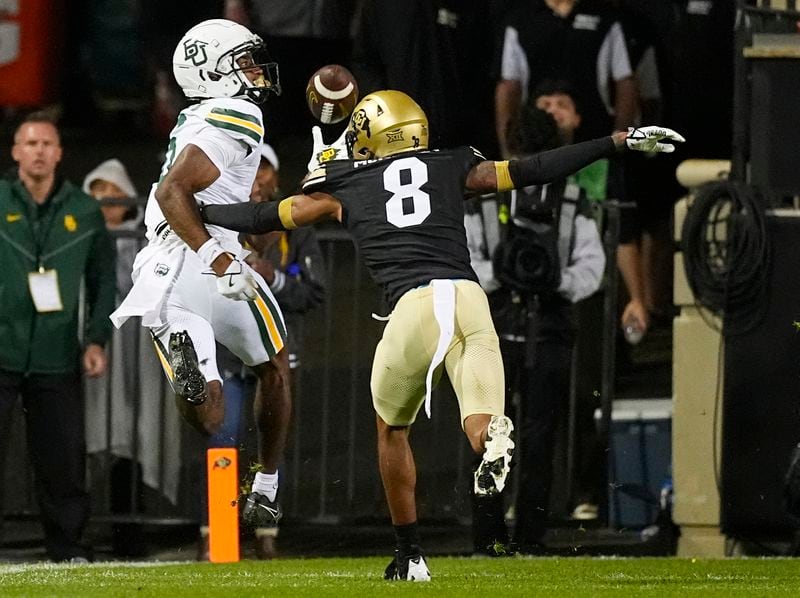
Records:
x=409, y=341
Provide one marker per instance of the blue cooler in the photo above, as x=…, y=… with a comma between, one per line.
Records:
x=639, y=460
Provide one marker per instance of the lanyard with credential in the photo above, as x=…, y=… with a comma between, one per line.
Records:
x=43, y=284
x=41, y=234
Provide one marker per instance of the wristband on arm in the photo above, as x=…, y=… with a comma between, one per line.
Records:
x=209, y=251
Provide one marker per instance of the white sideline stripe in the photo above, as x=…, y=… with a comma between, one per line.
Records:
x=332, y=94
x=27, y=567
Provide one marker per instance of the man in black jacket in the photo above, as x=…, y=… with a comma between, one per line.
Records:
x=54, y=240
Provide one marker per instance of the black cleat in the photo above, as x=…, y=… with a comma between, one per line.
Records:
x=188, y=381
x=261, y=512
x=410, y=567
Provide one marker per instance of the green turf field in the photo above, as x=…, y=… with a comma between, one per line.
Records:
x=463, y=577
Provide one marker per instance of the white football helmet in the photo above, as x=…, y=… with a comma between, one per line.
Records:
x=207, y=62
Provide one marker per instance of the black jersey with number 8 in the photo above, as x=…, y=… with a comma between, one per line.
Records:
x=405, y=214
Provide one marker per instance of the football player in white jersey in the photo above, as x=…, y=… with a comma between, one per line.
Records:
x=192, y=286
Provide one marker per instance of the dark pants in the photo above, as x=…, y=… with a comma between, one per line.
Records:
x=543, y=387
x=544, y=395
x=53, y=407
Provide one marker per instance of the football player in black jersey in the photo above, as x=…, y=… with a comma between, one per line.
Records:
x=404, y=206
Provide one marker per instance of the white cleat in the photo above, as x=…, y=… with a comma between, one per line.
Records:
x=490, y=477
x=418, y=570
x=408, y=568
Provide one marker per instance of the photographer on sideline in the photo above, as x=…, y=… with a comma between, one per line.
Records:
x=537, y=252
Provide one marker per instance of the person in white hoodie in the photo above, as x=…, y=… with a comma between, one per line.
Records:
x=110, y=183
x=125, y=414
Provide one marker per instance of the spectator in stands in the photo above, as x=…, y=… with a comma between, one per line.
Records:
x=291, y=263
x=112, y=403
x=644, y=254
x=534, y=316
x=110, y=183
x=55, y=241
x=580, y=41
x=693, y=43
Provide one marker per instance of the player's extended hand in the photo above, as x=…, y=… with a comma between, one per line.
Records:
x=648, y=139
x=323, y=153
x=237, y=282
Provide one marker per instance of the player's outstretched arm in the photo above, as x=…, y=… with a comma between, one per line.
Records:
x=545, y=167
x=262, y=217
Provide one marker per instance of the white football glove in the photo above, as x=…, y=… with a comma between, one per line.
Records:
x=648, y=139
x=323, y=153
x=237, y=282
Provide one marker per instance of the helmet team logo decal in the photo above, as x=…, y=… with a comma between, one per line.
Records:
x=361, y=122
x=195, y=50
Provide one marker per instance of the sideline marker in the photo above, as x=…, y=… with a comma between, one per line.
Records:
x=223, y=508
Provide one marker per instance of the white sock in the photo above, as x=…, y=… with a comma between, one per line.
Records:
x=266, y=484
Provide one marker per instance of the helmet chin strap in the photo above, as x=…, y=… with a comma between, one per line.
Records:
x=260, y=90
x=257, y=95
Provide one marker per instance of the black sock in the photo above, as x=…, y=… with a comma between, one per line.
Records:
x=407, y=537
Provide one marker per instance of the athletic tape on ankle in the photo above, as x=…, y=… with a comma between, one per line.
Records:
x=209, y=251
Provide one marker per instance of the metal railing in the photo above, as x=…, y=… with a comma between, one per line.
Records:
x=145, y=462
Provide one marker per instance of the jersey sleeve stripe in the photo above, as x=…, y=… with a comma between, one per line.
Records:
x=237, y=114
x=254, y=131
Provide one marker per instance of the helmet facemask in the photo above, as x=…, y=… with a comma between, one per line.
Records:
x=246, y=57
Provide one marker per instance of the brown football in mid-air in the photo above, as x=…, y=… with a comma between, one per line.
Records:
x=331, y=93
